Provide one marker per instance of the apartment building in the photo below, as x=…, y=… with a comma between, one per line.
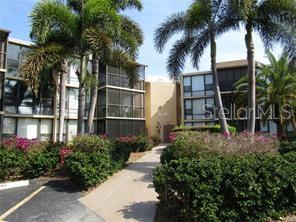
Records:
x=120, y=108
x=198, y=103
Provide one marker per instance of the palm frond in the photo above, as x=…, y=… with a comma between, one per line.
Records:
x=39, y=59
x=126, y=4
x=171, y=26
x=199, y=45
x=102, y=14
x=49, y=17
x=177, y=56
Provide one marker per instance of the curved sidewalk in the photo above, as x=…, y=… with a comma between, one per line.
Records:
x=129, y=194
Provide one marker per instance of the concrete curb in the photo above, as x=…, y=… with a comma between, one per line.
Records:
x=9, y=185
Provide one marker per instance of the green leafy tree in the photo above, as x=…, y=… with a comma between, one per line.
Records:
x=276, y=92
x=199, y=25
x=265, y=17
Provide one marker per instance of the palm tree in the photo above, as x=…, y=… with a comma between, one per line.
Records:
x=200, y=26
x=49, y=55
x=265, y=17
x=103, y=43
x=84, y=26
x=276, y=87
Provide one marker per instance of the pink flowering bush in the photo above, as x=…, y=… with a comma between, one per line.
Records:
x=172, y=137
x=193, y=144
x=19, y=143
x=134, y=143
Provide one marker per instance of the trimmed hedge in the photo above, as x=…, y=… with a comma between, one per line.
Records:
x=211, y=129
x=42, y=162
x=12, y=163
x=38, y=159
x=192, y=144
x=89, y=169
x=287, y=146
x=229, y=188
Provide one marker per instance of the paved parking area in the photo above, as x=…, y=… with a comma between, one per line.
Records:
x=58, y=202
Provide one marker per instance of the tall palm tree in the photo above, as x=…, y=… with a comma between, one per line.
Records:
x=200, y=26
x=265, y=17
x=49, y=55
x=86, y=26
x=276, y=88
x=127, y=39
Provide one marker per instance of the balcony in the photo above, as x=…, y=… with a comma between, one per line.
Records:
x=125, y=111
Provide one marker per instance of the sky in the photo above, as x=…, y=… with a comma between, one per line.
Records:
x=230, y=46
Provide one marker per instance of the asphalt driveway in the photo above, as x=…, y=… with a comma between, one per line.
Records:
x=58, y=201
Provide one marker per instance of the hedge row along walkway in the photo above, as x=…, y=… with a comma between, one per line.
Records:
x=128, y=195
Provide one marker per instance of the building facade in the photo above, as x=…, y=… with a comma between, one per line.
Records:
x=162, y=108
x=119, y=111
x=198, y=102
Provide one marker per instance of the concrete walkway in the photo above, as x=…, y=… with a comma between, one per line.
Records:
x=128, y=195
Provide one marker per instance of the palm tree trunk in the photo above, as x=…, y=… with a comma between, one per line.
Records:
x=252, y=78
x=62, y=105
x=55, y=105
x=221, y=114
x=93, y=94
x=81, y=98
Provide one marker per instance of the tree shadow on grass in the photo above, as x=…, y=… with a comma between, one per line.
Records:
x=140, y=211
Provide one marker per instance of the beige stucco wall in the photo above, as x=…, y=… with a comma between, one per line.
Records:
x=162, y=104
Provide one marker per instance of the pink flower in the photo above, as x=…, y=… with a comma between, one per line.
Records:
x=226, y=134
x=172, y=137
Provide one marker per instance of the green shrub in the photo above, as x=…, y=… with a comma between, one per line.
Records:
x=143, y=143
x=155, y=140
x=227, y=188
x=192, y=144
x=89, y=169
x=211, y=129
x=287, y=146
x=12, y=163
x=42, y=161
x=36, y=159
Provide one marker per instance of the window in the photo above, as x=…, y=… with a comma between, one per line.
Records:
x=188, y=109
x=127, y=103
x=187, y=86
x=26, y=98
x=198, y=86
x=9, y=125
x=122, y=103
x=15, y=57
x=126, y=127
x=3, y=49
x=114, y=128
x=114, y=96
x=72, y=102
x=101, y=103
x=72, y=77
x=27, y=128
x=197, y=83
x=102, y=74
x=45, y=129
x=72, y=129
x=272, y=127
x=198, y=108
x=11, y=96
